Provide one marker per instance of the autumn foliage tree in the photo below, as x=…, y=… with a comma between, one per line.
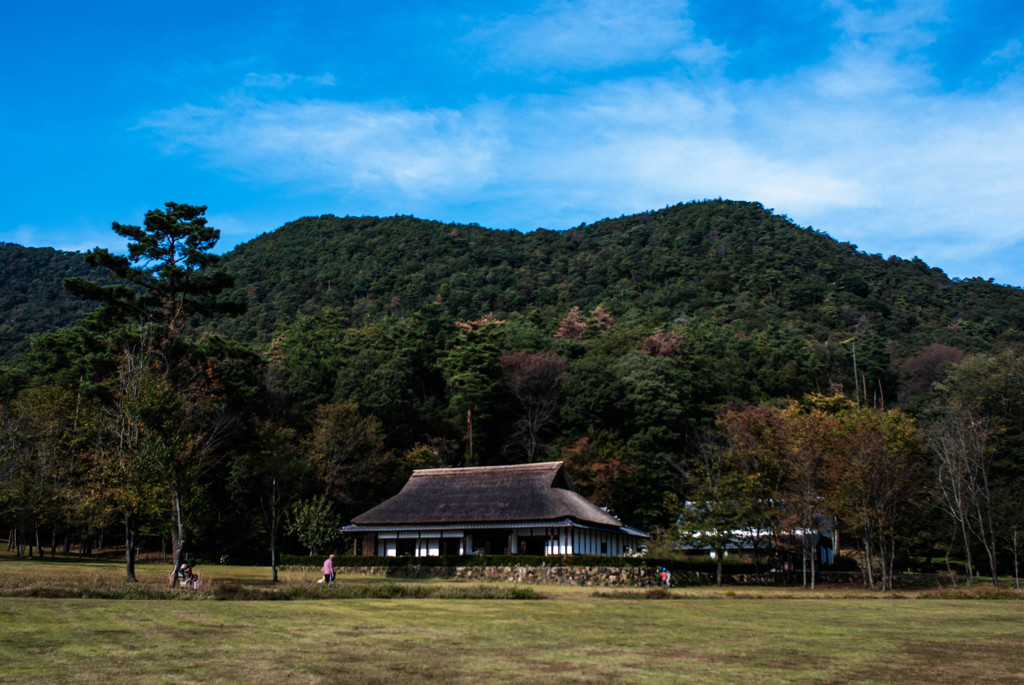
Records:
x=823, y=464
x=804, y=508
x=44, y=434
x=602, y=471
x=573, y=326
x=347, y=453
x=758, y=438
x=874, y=480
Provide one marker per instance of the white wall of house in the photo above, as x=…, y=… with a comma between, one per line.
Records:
x=599, y=543
x=557, y=541
x=420, y=543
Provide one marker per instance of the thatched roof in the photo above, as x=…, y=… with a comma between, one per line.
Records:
x=499, y=495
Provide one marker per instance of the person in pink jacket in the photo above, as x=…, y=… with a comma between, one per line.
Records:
x=329, y=569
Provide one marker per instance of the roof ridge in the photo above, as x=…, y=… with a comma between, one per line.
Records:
x=453, y=470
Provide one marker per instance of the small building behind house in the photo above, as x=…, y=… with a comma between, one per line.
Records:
x=748, y=543
x=519, y=509
x=752, y=539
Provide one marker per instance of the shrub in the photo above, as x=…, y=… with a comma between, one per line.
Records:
x=701, y=565
x=978, y=593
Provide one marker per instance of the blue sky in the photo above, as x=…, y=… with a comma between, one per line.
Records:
x=897, y=126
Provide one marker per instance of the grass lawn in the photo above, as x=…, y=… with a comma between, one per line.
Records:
x=571, y=635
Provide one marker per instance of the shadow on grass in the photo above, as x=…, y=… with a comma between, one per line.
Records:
x=228, y=590
x=821, y=594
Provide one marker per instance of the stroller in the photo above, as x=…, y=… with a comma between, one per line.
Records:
x=188, y=577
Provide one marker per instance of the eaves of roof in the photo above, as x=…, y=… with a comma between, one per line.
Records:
x=480, y=525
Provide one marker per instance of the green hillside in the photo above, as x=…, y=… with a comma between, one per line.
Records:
x=32, y=297
x=733, y=262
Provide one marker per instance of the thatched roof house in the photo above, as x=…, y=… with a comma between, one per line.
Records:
x=521, y=509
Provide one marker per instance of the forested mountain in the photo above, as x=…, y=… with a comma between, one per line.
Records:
x=732, y=262
x=705, y=351
x=32, y=296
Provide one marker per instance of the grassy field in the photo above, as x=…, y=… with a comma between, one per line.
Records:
x=696, y=635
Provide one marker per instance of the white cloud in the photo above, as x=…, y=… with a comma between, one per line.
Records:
x=280, y=81
x=24, y=234
x=325, y=79
x=596, y=34
x=377, y=148
x=878, y=52
x=1011, y=52
x=253, y=80
x=901, y=25
x=646, y=143
x=80, y=237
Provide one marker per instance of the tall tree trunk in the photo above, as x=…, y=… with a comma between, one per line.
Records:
x=889, y=560
x=469, y=429
x=892, y=561
x=883, y=558
x=177, y=533
x=987, y=535
x=967, y=554
x=803, y=564
x=949, y=569
x=275, y=500
x=272, y=513
x=814, y=561
x=273, y=557
x=757, y=555
x=1016, y=575
x=869, y=562
x=131, y=526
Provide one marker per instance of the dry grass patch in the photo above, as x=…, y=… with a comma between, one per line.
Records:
x=585, y=640
x=582, y=635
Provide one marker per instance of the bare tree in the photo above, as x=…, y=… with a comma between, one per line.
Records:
x=960, y=442
x=534, y=380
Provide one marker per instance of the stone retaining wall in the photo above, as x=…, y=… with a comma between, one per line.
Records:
x=599, y=576
x=544, y=575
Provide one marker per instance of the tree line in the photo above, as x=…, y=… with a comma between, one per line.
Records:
x=146, y=419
